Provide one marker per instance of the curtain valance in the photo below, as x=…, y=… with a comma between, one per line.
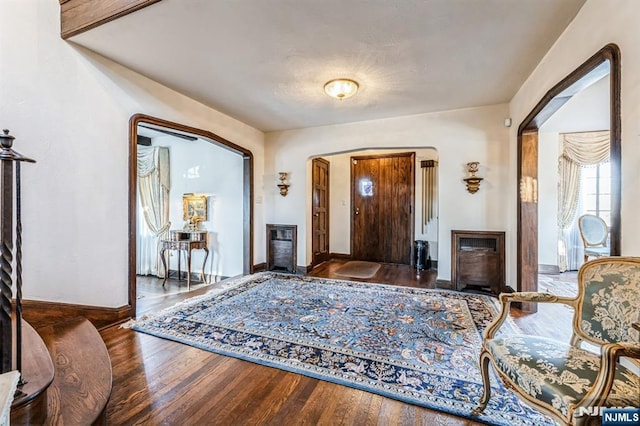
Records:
x=587, y=148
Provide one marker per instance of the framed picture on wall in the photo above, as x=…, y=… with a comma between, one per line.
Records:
x=194, y=208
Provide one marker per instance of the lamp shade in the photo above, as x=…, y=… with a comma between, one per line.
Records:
x=341, y=88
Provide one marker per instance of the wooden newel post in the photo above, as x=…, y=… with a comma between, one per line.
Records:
x=7, y=158
x=6, y=246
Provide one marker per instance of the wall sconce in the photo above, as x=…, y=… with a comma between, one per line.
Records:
x=283, y=185
x=473, y=181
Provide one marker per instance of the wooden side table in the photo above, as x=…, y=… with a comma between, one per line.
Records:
x=194, y=242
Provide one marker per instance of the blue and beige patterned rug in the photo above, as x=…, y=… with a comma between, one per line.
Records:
x=415, y=345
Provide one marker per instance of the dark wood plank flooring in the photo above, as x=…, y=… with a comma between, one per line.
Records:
x=158, y=382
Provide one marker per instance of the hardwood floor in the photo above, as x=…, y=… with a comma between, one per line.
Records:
x=158, y=382
x=152, y=295
x=388, y=273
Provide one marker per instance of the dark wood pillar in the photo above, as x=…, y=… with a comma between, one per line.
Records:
x=528, y=216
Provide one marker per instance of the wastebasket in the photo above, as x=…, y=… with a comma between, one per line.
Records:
x=421, y=255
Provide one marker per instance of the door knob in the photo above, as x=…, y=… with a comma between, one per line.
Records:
x=357, y=211
x=316, y=214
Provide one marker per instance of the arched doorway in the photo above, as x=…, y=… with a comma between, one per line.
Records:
x=584, y=75
x=247, y=185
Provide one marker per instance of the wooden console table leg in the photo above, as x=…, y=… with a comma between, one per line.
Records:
x=179, y=258
x=204, y=262
x=164, y=264
x=189, y=269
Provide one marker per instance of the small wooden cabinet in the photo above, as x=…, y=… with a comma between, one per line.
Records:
x=478, y=261
x=282, y=247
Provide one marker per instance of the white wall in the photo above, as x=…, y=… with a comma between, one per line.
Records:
x=548, y=199
x=69, y=109
x=474, y=134
x=203, y=168
x=340, y=199
x=586, y=111
x=597, y=24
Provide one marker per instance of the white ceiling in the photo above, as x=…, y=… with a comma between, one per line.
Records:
x=265, y=62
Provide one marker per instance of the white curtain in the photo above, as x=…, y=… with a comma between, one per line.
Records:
x=575, y=248
x=577, y=150
x=153, y=208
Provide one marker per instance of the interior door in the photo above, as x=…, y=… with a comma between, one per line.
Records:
x=320, y=210
x=382, y=196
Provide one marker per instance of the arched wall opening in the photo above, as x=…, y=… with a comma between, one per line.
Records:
x=246, y=185
x=527, y=157
x=340, y=204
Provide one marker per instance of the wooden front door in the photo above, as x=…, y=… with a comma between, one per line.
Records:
x=382, y=194
x=320, y=210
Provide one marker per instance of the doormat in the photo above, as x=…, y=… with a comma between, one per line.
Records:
x=358, y=269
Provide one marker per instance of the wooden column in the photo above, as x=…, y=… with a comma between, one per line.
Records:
x=528, y=217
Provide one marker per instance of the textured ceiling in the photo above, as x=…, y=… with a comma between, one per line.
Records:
x=265, y=62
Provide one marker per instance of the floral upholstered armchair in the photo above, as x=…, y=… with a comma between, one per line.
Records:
x=561, y=379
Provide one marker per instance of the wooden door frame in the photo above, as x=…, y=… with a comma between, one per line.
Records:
x=314, y=259
x=527, y=252
x=247, y=202
x=413, y=192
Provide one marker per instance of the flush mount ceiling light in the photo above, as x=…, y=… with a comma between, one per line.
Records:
x=341, y=88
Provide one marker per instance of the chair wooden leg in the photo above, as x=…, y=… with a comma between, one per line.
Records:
x=575, y=340
x=484, y=370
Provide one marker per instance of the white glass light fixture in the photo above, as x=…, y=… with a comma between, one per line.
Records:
x=341, y=88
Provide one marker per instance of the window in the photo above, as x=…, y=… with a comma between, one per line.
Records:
x=596, y=191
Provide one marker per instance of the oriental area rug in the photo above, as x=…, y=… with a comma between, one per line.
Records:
x=414, y=345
